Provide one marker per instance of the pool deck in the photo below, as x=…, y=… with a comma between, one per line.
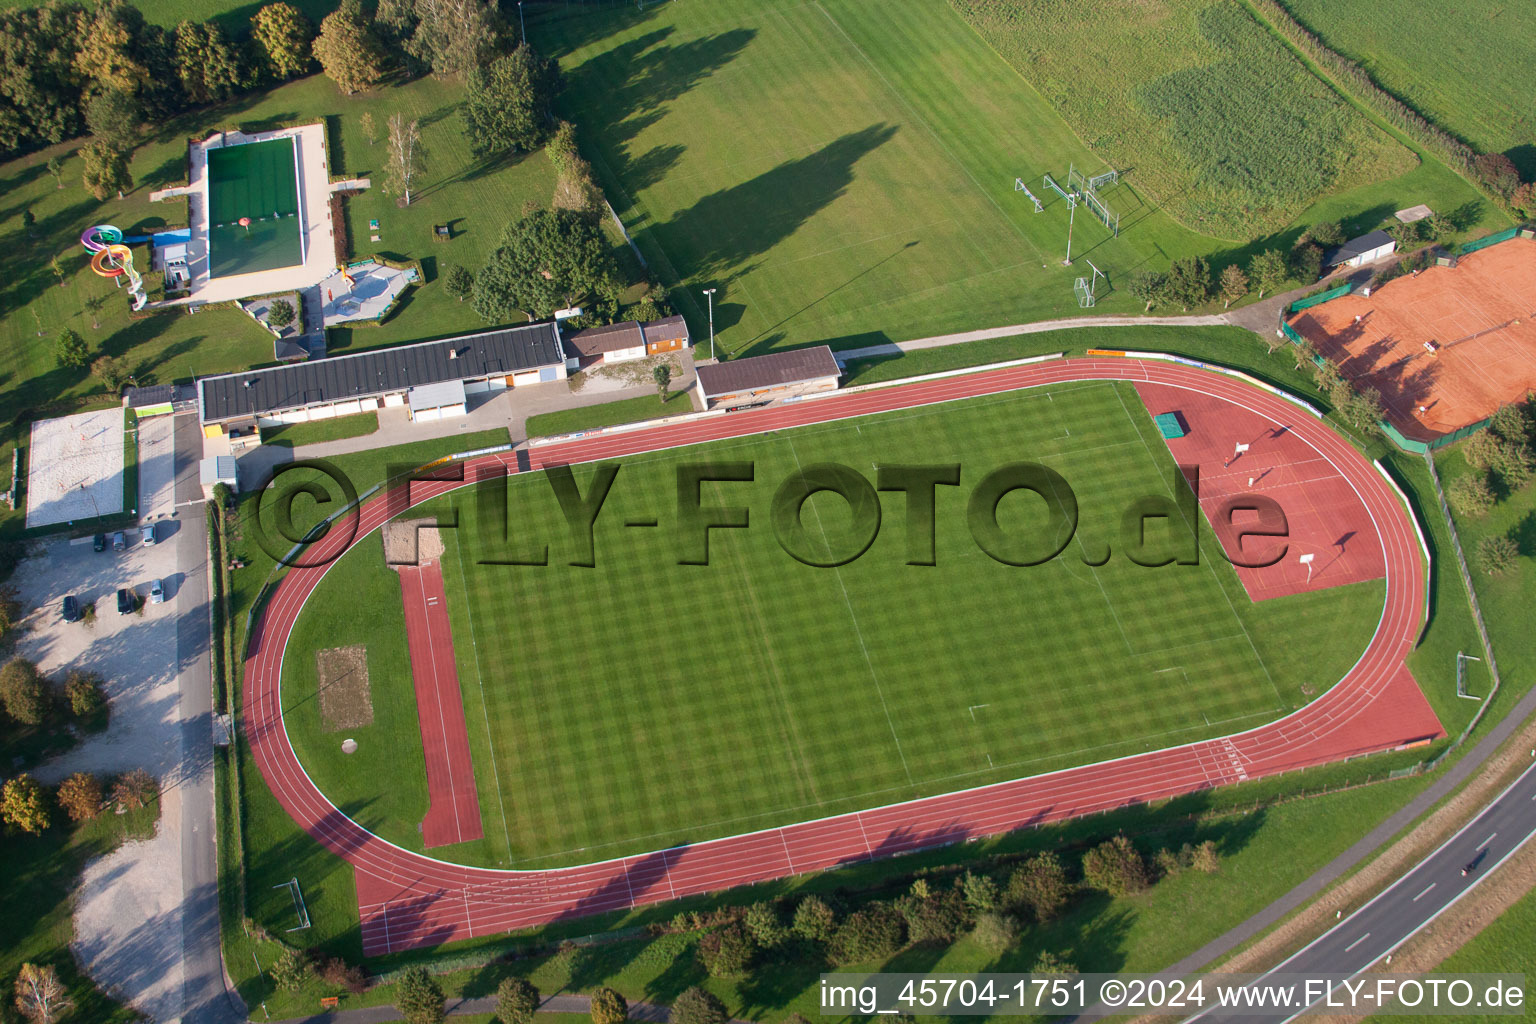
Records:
x=314, y=206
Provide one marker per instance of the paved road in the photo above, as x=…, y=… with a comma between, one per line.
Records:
x=1415, y=899
x=205, y=997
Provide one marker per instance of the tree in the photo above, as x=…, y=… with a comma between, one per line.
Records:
x=1511, y=422
x=696, y=1006
x=1307, y=262
x=608, y=1007
x=546, y=261
x=407, y=156
x=56, y=168
x=283, y=36
x=109, y=50
x=28, y=220
x=814, y=919
x=1040, y=886
x=1362, y=409
x=1267, y=270
x=134, y=789
x=71, y=350
x=726, y=952
x=40, y=995
x=516, y=1001
x=24, y=805
x=1523, y=199
x=1234, y=285
x=1512, y=461
x=419, y=998
x=1481, y=450
x=1189, y=281
x=291, y=969
x=1471, y=496
x=1116, y=867
x=55, y=265
x=1498, y=173
x=280, y=314
x=106, y=170
x=1148, y=285
x=207, y=63
x=873, y=933
x=84, y=693
x=24, y=692
x=1497, y=554
x=348, y=50
x=110, y=372
x=662, y=375
x=448, y=36
x=370, y=130
x=10, y=608
x=1325, y=233
x=762, y=923
x=115, y=118
x=38, y=77
x=932, y=916
x=507, y=103
x=980, y=892
x=80, y=795
x=458, y=282
x=996, y=932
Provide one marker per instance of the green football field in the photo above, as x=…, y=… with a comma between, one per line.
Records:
x=258, y=180
x=642, y=703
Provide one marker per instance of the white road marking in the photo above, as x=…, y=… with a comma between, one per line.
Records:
x=1428, y=887
x=1485, y=842
x=1357, y=942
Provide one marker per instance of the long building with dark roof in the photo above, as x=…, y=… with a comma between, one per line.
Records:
x=339, y=385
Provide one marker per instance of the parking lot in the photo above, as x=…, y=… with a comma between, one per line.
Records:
x=135, y=654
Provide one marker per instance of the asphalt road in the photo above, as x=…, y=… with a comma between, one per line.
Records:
x=205, y=998
x=1414, y=900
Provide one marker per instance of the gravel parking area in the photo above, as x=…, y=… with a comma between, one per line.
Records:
x=128, y=921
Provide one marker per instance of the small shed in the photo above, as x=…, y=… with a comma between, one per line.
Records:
x=758, y=380
x=436, y=401
x=154, y=400
x=218, y=469
x=1358, y=251
x=667, y=335
x=615, y=343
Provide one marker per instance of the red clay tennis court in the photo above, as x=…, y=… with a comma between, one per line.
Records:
x=1480, y=317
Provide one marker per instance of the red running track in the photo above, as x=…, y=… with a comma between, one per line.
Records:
x=453, y=808
x=409, y=900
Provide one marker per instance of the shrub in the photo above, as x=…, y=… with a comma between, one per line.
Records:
x=84, y=693
x=516, y=1001
x=1471, y=495
x=338, y=973
x=1116, y=867
x=874, y=933
x=281, y=314
x=726, y=952
x=458, y=282
x=696, y=1006
x=135, y=788
x=419, y=997
x=1049, y=963
x=1511, y=422
x=936, y=917
x=1481, y=449
x=814, y=919
x=761, y=921
x=24, y=805
x=24, y=692
x=1040, y=886
x=996, y=932
x=608, y=1007
x=80, y=795
x=1512, y=461
x=291, y=969
x=1497, y=554
x=1205, y=858
x=1167, y=863
x=979, y=891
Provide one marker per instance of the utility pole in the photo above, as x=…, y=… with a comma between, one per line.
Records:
x=710, y=292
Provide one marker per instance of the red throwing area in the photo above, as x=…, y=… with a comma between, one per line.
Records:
x=1324, y=515
x=407, y=900
x=453, y=810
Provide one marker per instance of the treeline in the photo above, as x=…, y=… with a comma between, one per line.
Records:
x=1502, y=463
x=1494, y=171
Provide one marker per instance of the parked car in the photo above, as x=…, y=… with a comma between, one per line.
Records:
x=99, y=542
x=156, y=592
x=125, y=601
x=149, y=535
x=71, y=609
x=119, y=542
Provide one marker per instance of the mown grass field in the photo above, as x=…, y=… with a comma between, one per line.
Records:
x=600, y=727
x=1465, y=66
x=1204, y=109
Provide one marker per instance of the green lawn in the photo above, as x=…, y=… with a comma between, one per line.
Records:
x=579, y=712
x=337, y=428
x=627, y=410
x=35, y=902
x=1462, y=67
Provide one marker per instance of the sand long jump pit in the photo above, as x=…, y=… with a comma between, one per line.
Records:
x=75, y=468
x=1446, y=347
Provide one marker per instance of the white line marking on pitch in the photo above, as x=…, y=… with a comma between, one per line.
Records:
x=1357, y=942
x=1428, y=887
x=974, y=707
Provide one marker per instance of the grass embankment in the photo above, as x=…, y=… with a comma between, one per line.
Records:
x=608, y=414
